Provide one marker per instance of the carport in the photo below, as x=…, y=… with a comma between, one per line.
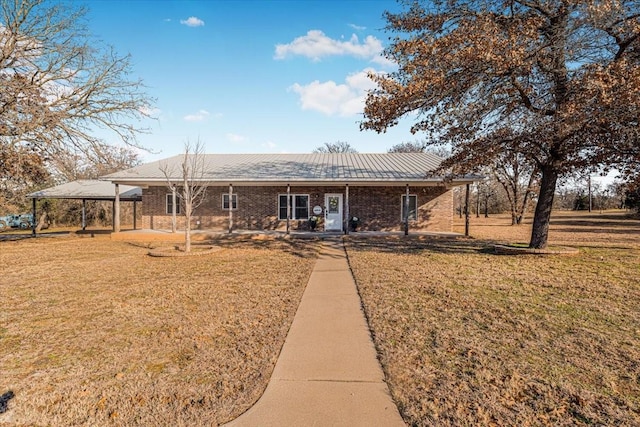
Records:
x=91, y=190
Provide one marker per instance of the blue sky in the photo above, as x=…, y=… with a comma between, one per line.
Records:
x=252, y=76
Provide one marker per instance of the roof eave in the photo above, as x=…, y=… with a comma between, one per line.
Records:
x=145, y=183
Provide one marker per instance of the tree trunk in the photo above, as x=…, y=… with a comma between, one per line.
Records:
x=41, y=222
x=540, y=231
x=525, y=199
x=187, y=230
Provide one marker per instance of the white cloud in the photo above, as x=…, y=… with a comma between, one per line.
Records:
x=330, y=98
x=233, y=137
x=357, y=27
x=270, y=145
x=197, y=117
x=315, y=45
x=385, y=62
x=150, y=111
x=192, y=22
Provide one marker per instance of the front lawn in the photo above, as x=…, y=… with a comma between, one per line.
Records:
x=95, y=332
x=467, y=337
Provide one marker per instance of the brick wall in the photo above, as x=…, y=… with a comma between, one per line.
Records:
x=378, y=208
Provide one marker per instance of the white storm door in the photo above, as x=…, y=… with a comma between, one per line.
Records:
x=333, y=212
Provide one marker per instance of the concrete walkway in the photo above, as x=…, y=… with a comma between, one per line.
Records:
x=327, y=373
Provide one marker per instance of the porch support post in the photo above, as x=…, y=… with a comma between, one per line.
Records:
x=466, y=212
x=84, y=214
x=406, y=212
x=35, y=218
x=134, y=214
x=230, y=208
x=116, y=210
x=174, y=209
x=288, y=206
x=347, y=219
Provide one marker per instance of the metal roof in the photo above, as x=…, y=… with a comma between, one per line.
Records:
x=299, y=169
x=88, y=190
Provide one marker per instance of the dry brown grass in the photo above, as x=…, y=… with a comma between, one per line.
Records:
x=617, y=228
x=467, y=337
x=95, y=332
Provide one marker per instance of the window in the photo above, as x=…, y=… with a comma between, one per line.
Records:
x=413, y=207
x=299, y=206
x=170, y=204
x=225, y=201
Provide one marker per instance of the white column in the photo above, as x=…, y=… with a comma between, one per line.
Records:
x=288, y=206
x=230, y=208
x=346, y=208
x=35, y=217
x=173, y=209
x=406, y=212
x=116, y=210
x=84, y=214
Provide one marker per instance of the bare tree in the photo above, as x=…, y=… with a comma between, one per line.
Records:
x=519, y=179
x=20, y=171
x=335, y=147
x=409, y=147
x=420, y=147
x=486, y=193
x=75, y=165
x=187, y=184
x=59, y=84
x=555, y=80
x=101, y=160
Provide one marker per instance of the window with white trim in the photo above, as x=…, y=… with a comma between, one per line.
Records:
x=170, y=204
x=225, y=201
x=299, y=206
x=413, y=207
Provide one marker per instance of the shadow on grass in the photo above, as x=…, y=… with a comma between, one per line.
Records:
x=29, y=235
x=4, y=401
x=300, y=248
x=596, y=217
x=598, y=229
x=418, y=245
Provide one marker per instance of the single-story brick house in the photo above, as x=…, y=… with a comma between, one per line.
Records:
x=282, y=191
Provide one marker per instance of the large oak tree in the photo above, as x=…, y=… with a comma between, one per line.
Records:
x=61, y=89
x=555, y=81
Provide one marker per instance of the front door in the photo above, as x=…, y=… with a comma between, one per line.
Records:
x=333, y=212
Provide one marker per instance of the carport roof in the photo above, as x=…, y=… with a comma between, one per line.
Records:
x=89, y=190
